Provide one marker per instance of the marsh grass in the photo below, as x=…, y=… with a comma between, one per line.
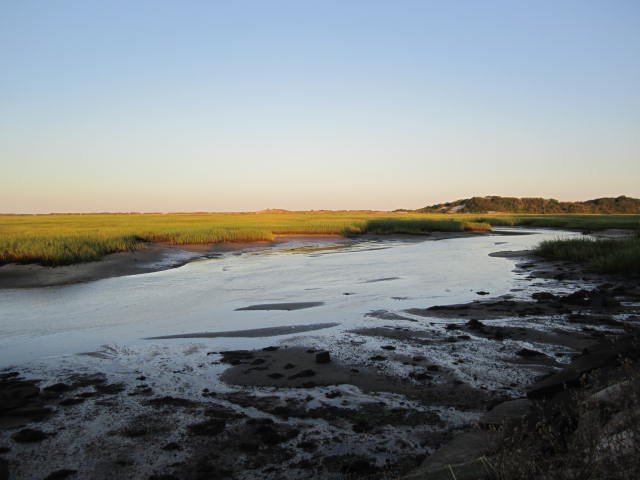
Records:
x=575, y=222
x=414, y=226
x=602, y=255
x=62, y=239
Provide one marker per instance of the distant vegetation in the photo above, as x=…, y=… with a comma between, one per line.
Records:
x=602, y=255
x=496, y=204
x=62, y=239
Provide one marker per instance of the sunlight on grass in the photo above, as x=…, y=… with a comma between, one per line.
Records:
x=62, y=239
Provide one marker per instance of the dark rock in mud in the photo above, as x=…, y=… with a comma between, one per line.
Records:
x=525, y=352
x=475, y=324
x=169, y=401
x=377, y=358
x=323, y=357
x=303, y=374
x=544, y=296
x=350, y=465
x=171, y=447
x=333, y=394
x=362, y=426
x=61, y=474
x=308, y=446
x=282, y=306
x=109, y=389
x=605, y=353
x=29, y=435
x=235, y=357
x=57, y=388
x=420, y=375
x=510, y=413
x=463, y=448
x=71, y=401
x=214, y=426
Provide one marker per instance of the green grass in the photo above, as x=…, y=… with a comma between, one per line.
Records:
x=62, y=239
x=602, y=255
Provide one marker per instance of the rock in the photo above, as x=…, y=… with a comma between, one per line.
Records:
x=604, y=354
x=71, y=401
x=4, y=469
x=377, y=358
x=303, y=374
x=171, y=402
x=323, y=357
x=474, y=324
x=333, y=394
x=542, y=296
x=388, y=347
x=171, y=446
x=525, y=352
x=110, y=389
x=611, y=395
x=473, y=470
x=308, y=446
x=420, y=375
x=29, y=435
x=463, y=448
x=621, y=421
x=57, y=388
x=507, y=413
x=61, y=474
x=211, y=427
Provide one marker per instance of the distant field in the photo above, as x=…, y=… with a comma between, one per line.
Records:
x=62, y=239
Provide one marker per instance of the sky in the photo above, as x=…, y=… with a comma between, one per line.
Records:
x=244, y=105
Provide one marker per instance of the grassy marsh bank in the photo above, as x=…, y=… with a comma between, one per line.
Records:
x=602, y=255
x=64, y=239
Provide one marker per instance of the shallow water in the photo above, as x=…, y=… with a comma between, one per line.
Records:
x=204, y=296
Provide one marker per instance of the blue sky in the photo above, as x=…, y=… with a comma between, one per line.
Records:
x=225, y=106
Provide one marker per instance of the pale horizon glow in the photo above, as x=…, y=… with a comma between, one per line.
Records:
x=169, y=106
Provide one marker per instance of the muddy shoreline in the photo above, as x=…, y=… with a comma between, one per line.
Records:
x=404, y=395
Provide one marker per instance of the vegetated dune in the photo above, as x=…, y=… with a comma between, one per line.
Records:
x=495, y=204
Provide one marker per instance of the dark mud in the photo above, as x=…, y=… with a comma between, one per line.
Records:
x=282, y=306
x=252, y=333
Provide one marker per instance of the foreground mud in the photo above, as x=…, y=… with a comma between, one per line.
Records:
x=402, y=395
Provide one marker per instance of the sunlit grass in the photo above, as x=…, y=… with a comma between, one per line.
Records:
x=602, y=255
x=63, y=239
